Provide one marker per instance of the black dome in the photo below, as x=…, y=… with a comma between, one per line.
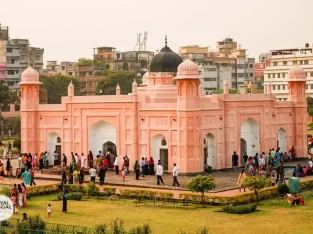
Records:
x=165, y=61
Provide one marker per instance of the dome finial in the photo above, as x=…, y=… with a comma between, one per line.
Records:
x=165, y=40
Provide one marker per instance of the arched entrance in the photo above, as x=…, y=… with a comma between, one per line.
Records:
x=102, y=136
x=109, y=147
x=250, y=133
x=159, y=150
x=210, y=150
x=243, y=149
x=282, y=140
x=54, y=144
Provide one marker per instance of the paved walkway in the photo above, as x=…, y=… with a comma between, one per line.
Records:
x=226, y=182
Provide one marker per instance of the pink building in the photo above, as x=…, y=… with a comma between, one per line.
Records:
x=3, y=71
x=167, y=118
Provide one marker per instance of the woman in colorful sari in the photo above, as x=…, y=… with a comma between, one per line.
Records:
x=24, y=194
x=34, y=159
x=20, y=195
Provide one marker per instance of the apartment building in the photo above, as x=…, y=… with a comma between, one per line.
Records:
x=280, y=63
x=65, y=68
x=13, y=68
x=134, y=61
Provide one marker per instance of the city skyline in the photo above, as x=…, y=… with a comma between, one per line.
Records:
x=69, y=31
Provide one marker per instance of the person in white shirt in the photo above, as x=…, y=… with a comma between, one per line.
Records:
x=83, y=160
x=311, y=152
x=310, y=163
x=175, y=174
x=159, y=174
x=20, y=159
x=261, y=162
x=116, y=165
x=92, y=173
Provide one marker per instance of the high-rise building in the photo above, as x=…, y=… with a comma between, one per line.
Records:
x=15, y=56
x=280, y=63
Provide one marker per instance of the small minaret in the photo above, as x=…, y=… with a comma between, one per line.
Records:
x=118, y=90
x=70, y=90
x=135, y=86
x=297, y=94
x=29, y=110
x=226, y=90
x=188, y=116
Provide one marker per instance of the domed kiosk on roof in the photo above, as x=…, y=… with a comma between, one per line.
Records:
x=296, y=73
x=30, y=76
x=165, y=61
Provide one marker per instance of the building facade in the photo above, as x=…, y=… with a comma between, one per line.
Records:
x=65, y=68
x=280, y=63
x=167, y=118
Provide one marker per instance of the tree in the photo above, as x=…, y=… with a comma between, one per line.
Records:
x=112, y=79
x=56, y=87
x=201, y=184
x=6, y=96
x=221, y=91
x=309, y=101
x=255, y=183
x=17, y=143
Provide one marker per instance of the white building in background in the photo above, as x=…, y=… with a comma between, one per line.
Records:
x=213, y=75
x=281, y=62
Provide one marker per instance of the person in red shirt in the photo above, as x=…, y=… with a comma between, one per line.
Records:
x=105, y=163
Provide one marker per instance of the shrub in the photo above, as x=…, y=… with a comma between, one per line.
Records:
x=91, y=189
x=144, y=229
x=203, y=231
x=74, y=188
x=105, y=192
x=17, y=143
x=5, y=191
x=71, y=196
x=165, y=195
x=201, y=184
x=256, y=183
x=100, y=229
x=243, y=198
x=138, y=194
x=282, y=189
x=41, y=189
x=240, y=209
x=117, y=227
x=31, y=224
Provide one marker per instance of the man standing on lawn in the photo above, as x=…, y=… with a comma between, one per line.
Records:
x=159, y=174
x=175, y=174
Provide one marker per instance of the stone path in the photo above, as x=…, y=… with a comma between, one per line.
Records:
x=226, y=181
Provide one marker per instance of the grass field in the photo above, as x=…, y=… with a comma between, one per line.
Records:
x=272, y=219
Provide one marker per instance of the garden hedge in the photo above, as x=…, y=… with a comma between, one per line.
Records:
x=240, y=209
x=145, y=194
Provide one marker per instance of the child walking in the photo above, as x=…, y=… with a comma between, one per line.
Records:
x=49, y=210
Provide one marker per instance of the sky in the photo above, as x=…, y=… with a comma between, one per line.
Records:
x=70, y=29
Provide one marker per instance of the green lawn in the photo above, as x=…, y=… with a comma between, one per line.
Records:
x=272, y=219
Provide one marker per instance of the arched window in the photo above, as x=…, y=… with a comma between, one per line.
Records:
x=163, y=142
x=58, y=139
